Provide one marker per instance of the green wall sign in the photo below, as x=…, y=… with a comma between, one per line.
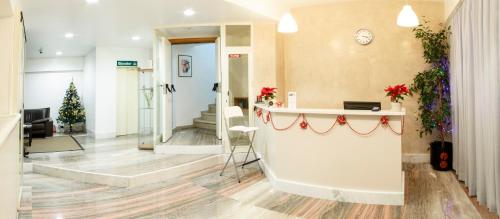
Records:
x=126, y=63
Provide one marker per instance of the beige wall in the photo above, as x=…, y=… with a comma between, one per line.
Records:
x=326, y=66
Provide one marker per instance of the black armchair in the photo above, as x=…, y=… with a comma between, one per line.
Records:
x=40, y=120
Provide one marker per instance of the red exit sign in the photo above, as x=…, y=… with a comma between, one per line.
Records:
x=234, y=56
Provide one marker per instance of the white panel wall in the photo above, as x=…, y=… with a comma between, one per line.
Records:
x=105, y=84
x=47, y=79
x=194, y=93
x=89, y=79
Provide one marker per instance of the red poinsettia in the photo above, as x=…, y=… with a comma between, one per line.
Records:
x=397, y=92
x=268, y=93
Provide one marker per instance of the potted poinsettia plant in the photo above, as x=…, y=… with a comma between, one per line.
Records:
x=397, y=94
x=433, y=87
x=268, y=94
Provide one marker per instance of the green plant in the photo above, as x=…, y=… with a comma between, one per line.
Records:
x=433, y=84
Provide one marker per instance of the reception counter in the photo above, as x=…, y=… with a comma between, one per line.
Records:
x=343, y=155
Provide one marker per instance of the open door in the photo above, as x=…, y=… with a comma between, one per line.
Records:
x=169, y=89
x=218, y=100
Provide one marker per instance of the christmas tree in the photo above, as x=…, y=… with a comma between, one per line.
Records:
x=72, y=110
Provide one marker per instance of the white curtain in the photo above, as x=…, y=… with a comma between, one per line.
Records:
x=475, y=93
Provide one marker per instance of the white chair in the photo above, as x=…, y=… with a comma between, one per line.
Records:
x=242, y=138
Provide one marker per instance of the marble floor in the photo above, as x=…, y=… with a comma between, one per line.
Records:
x=205, y=194
x=194, y=137
x=119, y=156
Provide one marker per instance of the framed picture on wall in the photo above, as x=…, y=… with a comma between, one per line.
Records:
x=185, y=66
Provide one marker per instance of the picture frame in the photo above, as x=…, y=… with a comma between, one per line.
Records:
x=185, y=66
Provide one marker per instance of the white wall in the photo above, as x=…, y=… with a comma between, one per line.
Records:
x=194, y=93
x=89, y=79
x=105, y=84
x=47, y=79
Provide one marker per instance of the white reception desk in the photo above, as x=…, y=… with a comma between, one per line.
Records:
x=338, y=165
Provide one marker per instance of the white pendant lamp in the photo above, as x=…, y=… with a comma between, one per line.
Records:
x=287, y=24
x=407, y=17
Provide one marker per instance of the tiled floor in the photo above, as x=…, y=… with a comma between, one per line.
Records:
x=205, y=194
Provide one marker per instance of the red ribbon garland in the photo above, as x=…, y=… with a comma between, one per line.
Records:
x=341, y=120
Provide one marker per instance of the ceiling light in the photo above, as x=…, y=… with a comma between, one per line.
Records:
x=69, y=35
x=287, y=24
x=407, y=17
x=58, y=53
x=92, y=1
x=189, y=12
x=136, y=38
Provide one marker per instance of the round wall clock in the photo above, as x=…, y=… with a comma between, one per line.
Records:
x=363, y=36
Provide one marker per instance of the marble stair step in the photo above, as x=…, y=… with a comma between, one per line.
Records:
x=212, y=108
x=204, y=124
x=205, y=115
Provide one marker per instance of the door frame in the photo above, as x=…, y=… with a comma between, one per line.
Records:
x=222, y=71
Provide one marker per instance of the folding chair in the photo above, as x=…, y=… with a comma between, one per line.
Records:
x=239, y=135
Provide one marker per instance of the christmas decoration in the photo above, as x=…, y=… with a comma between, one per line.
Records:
x=341, y=120
x=268, y=94
x=397, y=92
x=303, y=125
x=72, y=110
x=384, y=120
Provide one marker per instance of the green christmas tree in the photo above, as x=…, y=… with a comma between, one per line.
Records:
x=72, y=110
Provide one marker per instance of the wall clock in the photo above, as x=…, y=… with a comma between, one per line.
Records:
x=363, y=36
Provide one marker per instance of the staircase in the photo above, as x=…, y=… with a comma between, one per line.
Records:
x=207, y=119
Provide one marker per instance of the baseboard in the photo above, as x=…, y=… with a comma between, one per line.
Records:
x=104, y=135
x=182, y=127
x=416, y=158
x=91, y=133
x=335, y=194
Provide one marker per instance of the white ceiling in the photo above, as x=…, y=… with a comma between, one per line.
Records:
x=114, y=22
x=275, y=8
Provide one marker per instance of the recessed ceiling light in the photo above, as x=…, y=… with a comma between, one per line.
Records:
x=189, y=12
x=92, y=1
x=136, y=38
x=58, y=53
x=69, y=35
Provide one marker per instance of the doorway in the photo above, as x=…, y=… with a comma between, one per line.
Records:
x=127, y=105
x=194, y=73
x=190, y=66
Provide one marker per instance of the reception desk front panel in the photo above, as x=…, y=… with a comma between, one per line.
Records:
x=316, y=153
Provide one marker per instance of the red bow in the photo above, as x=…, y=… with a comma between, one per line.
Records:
x=268, y=116
x=259, y=113
x=303, y=125
x=384, y=120
x=341, y=120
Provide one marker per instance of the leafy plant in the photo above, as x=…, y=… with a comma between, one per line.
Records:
x=433, y=84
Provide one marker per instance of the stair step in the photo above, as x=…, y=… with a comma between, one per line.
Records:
x=208, y=116
x=204, y=124
x=212, y=108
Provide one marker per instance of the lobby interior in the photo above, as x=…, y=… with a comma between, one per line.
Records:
x=250, y=109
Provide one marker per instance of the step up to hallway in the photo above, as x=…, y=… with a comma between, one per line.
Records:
x=119, y=177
